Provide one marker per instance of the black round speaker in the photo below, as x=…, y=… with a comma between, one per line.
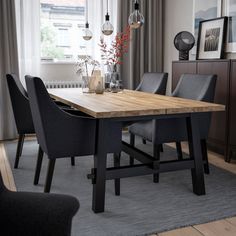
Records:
x=184, y=42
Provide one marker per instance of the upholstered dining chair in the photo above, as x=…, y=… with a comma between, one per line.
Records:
x=59, y=134
x=190, y=86
x=26, y=213
x=22, y=113
x=152, y=82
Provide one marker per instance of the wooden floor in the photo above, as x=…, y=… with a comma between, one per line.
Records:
x=226, y=227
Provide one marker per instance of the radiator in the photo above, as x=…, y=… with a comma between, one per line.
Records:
x=62, y=84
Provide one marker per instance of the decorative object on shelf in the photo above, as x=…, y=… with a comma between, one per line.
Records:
x=204, y=10
x=112, y=57
x=184, y=42
x=107, y=27
x=211, y=38
x=136, y=18
x=87, y=33
x=84, y=65
x=230, y=11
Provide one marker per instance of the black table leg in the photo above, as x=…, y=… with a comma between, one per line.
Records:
x=100, y=159
x=117, y=181
x=196, y=154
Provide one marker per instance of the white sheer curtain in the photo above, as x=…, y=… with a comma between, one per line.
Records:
x=28, y=37
x=97, y=12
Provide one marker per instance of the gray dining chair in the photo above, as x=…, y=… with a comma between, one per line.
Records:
x=59, y=133
x=22, y=114
x=155, y=83
x=27, y=213
x=151, y=83
x=21, y=111
x=190, y=86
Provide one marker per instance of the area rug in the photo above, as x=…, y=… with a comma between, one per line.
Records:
x=143, y=207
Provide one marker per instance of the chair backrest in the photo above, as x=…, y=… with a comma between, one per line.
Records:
x=153, y=83
x=196, y=87
x=20, y=105
x=59, y=134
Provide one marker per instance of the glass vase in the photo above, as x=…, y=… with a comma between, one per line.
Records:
x=112, y=79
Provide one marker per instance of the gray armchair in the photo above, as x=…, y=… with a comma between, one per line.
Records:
x=190, y=86
x=59, y=134
x=38, y=214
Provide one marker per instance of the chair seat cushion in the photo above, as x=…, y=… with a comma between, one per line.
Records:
x=142, y=129
x=169, y=130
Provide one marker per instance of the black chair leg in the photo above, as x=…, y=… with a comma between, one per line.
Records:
x=156, y=155
x=19, y=150
x=38, y=166
x=116, y=158
x=179, y=151
x=205, y=156
x=161, y=148
x=72, y=161
x=51, y=165
x=144, y=141
x=132, y=143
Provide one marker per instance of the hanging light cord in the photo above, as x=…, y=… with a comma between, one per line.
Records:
x=107, y=6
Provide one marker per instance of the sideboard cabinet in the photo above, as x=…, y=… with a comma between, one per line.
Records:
x=222, y=134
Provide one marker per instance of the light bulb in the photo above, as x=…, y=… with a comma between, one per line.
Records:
x=136, y=19
x=107, y=27
x=87, y=34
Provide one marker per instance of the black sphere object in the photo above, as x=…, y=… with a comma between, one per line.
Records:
x=184, y=42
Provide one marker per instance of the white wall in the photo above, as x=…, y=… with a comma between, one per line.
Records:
x=178, y=16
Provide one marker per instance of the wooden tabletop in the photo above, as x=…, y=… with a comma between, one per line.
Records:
x=129, y=103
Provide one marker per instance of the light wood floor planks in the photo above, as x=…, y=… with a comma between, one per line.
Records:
x=226, y=227
x=6, y=169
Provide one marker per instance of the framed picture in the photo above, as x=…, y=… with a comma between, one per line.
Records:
x=211, y=38
x=230, y=11
x=204, y=10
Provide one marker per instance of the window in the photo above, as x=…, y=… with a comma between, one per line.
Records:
x=62, y=22
x=63, y=38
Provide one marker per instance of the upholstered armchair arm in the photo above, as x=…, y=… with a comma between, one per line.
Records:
x=36, y=213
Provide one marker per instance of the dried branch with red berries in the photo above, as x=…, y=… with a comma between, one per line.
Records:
x=120, y=46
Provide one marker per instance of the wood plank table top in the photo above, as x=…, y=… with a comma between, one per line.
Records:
x=129, y=103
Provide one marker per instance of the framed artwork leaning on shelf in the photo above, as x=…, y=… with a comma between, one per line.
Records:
x=211, y=38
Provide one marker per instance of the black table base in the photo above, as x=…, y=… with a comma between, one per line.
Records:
x=109, y=141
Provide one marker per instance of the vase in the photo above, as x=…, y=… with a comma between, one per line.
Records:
x=112, y=79
x=88, y=84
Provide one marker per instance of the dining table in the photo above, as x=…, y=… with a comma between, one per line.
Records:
x=114, y=110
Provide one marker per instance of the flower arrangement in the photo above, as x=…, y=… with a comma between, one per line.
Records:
x=83, y=64
x=112, y=56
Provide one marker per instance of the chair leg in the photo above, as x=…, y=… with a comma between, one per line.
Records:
x=19, y=150
x=132, y=143
x=161, y=148
x=205, y=156
x=156, y=155
x=38, y=166
x=144, y=141
x=179, y=150
x=72, y=161
x=51, y=165
x=116, y=158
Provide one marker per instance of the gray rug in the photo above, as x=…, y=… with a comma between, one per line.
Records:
x=143, y=207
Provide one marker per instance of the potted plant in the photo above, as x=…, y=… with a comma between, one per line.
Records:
x=112, y=57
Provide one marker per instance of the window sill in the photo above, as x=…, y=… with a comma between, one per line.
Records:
x=58, y=62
